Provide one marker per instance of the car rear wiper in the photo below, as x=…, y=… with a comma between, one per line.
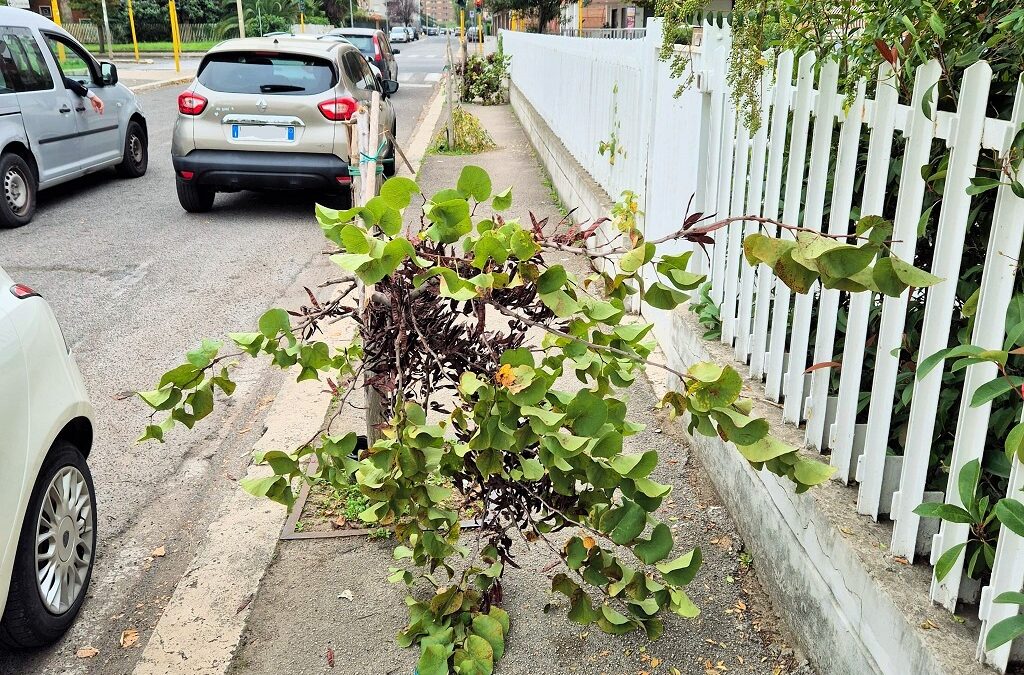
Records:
x=267, y=88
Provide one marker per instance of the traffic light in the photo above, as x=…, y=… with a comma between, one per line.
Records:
x=462, y=4
x=479, y=3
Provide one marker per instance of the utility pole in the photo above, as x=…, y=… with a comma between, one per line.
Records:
x=241, y=18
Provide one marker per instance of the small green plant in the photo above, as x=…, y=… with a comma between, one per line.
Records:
x=483, y=78
x=379, y=534
x=470, y=136
x=707, y=313
x=612, y=147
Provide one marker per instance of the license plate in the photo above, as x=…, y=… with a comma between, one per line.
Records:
x=262, y=132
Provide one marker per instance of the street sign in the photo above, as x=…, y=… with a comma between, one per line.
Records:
x=472, y=14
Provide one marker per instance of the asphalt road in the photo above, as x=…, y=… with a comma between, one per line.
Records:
x=135, y=283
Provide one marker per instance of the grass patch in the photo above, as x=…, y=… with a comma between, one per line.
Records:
x=155, y=47
x=470, y=136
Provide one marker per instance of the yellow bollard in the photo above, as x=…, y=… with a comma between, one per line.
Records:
x=302, y=22
x=579, y=18
x=175, y=37
x=462, y=25
x=131, y=23
x=480, y=32
x=55, y=10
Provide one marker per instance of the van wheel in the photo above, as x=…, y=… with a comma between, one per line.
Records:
x=19, y=191
x=194, y=198
x=54, y=558
x=136, y=152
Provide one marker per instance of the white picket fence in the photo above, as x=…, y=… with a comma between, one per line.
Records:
x=697, y=145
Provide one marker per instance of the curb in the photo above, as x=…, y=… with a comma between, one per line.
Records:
x=149, y=86
x=419, y=140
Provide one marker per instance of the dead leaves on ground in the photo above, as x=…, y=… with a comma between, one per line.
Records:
x=129, y=637
x=86, y=653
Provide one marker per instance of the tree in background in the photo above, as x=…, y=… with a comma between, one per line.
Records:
x=266, y=16
x=400, y=12
x=543, y=10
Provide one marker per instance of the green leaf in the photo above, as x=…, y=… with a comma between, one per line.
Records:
x=398, y=191
x=587, y=413
x=1004, y=631
x=948, y=512
x=1010, y=513
x=523, y=245
x=476, y=658
x=912, y=276
x=553, y=279
x=474, y=182
x=164, y=398
x=635, y=466
x=660, y=296
x=765, y=449
x=489, y=247
x=929, y=363
x=995, y=388
x=981, y=184
x=967, y=482
x=491, y=630
x=207, y=352
x=885, y=278
x=184, y=376
x=450, y=220
x=655, y=549
x=739, y=428
x=681, y=571
x=845, y=260
x=1015, y=443
x=636, y=258
x=433, y=657
x=614, y=623
x=632, y=522
x=759, y=247
x=273, y=322
x=503, y=200
x=947, y=560
x=720, y=393
x=532, y=468
x=811, y=472
x=681, y=604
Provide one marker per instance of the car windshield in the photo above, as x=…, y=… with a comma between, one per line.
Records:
x=363, y=42
x=266, y=73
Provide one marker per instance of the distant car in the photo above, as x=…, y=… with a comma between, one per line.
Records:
x=432, y=30
x=412, y=33
x=375, y=46
x=48, y=133
x=398, y=34
x=472, y=34
x=272, y=114
x=47, y=499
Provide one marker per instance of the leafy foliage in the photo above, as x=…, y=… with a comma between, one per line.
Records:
x=483, y=77
x=539, y=458
x=470, y=136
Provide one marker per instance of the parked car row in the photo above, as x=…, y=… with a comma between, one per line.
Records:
x=262, y=113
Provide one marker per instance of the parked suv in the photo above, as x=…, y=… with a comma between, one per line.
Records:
x=48, y=134
x=375, y=46
x=273, y=113
x=47, y=500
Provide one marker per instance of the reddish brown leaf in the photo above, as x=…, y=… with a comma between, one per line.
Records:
x=330, y=657
x=886, y=53
x=823, y=364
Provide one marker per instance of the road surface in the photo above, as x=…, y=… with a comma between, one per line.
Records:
x=136, y=282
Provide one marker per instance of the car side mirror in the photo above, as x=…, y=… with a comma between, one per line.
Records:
x=396, y=52
x=108, y=74
x=390, y=87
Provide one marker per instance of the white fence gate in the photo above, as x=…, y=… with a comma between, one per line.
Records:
x=596, y=93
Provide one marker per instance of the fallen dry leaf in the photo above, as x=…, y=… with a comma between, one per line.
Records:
x=655, y=663
x=589, y=543
x=158, y=552
x=129, y=637
x=901, y=560
x=339, y=522
x=929, y=625
x=86, y=652
x=330, y=657
x=345, y=595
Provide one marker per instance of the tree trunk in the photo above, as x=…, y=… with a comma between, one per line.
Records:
x=65, y=11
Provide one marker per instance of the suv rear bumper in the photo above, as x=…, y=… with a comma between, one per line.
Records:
x=241, y=170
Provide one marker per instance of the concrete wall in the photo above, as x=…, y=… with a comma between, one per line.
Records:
x=854, y=608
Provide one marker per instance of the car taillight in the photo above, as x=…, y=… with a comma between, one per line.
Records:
x=376, y=49
x=339, y=108
x=21, y=291
x=191, y=104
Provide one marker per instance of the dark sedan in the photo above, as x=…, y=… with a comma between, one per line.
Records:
x=375, y=46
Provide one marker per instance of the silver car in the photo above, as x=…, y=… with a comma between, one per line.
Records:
x=49, y=133
x=274, y=114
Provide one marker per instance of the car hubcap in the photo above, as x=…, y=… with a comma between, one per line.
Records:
x=64, y=540
x=135, y=149
x=16, y=191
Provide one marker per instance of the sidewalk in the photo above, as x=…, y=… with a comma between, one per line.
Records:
x=331, y=595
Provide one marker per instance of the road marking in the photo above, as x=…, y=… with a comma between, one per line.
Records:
x=432, y=77
x=416, y=85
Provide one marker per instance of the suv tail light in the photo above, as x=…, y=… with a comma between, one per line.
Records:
x=21, y=291
x=376, y=49
x=191, y=104
x=338, y=109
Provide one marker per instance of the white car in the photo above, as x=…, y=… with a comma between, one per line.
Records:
x=47, y=500
x=398, y=34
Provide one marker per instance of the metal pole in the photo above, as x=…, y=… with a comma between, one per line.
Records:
x=175, y=41
x=106, y=29
x=579, y=18
x=351, y=16
x=241, y=18
x=131, y=22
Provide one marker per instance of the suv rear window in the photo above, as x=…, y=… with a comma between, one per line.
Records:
x=267, y=73
x=363, y=43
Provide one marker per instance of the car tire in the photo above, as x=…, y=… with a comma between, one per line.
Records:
x=194, y=198
x=135, y=158
x=19, y=187
x=29, y=620
x=391, y=168
x=340, y=201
